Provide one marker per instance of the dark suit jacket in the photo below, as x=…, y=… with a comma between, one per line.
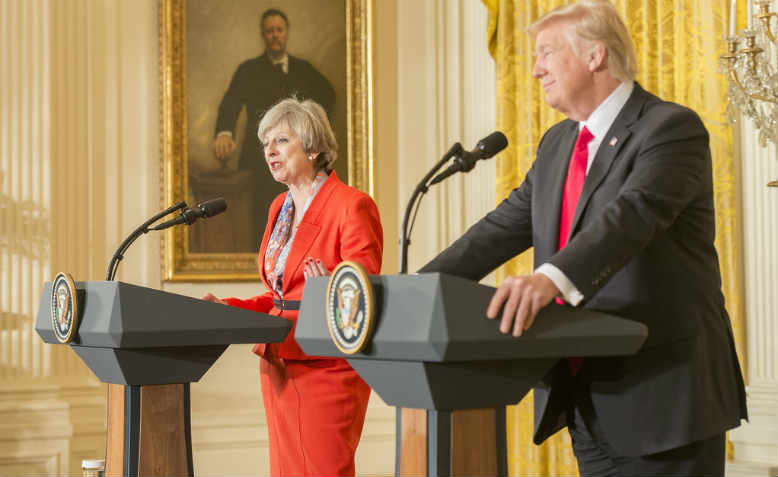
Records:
x=257, y=85
x=641, y=247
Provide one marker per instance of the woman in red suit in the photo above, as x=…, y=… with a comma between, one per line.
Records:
x=315, y=407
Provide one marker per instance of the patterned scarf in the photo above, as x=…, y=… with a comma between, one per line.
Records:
x=283, y=236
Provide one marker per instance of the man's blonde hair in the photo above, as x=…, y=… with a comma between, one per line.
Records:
x=596, y=21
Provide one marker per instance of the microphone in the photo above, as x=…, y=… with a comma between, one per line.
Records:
x=465, y=161
x=189, y=215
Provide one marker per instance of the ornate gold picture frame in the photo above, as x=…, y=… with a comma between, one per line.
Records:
x=181, y=260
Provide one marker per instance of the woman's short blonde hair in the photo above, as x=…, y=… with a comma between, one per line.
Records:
x=596, y=21
x=309, y=121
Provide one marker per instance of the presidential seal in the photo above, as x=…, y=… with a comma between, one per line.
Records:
x=64, y=307
x=350, y=307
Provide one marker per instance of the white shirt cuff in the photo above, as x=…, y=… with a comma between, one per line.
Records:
x=566, y=288
x=224, y=133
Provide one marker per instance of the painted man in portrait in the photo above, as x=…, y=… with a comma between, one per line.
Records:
x=258, y=84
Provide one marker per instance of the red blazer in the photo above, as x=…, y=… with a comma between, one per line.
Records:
x=342, y=223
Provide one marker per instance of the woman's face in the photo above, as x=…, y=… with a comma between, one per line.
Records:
x=285, y=157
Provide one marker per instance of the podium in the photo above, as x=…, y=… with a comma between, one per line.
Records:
x=149, y=345
x=434, y=349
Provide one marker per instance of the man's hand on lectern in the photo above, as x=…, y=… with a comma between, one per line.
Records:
x=523, y=297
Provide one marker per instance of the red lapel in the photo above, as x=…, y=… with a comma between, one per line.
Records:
x=309, y=228
x=275, y=209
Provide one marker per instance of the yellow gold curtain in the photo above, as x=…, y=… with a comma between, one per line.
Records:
x=678, y=44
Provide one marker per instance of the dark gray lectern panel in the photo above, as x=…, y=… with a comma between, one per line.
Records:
x=121, y=315
x=143, y=366
x=134, y=335
x=434, y=348
x=450, y=386
x=441, y=318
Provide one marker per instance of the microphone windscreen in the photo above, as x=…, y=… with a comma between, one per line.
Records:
x=492, y=144
x=213, y=207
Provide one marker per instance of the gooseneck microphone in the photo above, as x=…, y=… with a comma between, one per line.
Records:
x=465, y=162
x=190, y=215
x=187, y=216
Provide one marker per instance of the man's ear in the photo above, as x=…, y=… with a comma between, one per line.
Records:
x=597, y=59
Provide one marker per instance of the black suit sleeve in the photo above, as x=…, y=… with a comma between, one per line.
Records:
x=233, y=101
x=309, y=83
x=666, y=196
x=322, y=91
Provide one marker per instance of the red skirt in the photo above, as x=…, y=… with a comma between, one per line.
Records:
x=315, y=410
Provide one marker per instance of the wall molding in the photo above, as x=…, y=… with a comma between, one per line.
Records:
x=34, y=436
x=65, y=420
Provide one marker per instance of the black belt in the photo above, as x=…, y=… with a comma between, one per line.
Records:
x=286, y=304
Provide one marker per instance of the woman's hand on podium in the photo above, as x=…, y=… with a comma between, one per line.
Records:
x=314, y=268
x=211, y=297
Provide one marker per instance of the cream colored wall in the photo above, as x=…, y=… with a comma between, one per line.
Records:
x=80, y=86
x=446, y=89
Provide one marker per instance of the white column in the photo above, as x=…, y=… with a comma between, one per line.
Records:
x=25, y=205
x=756, y=443
x=78, y=92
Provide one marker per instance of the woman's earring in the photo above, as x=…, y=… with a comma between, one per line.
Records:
x=310, y=157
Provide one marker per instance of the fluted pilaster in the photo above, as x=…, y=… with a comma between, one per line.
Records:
x=757, y=441
x=447, y=93
x=66, y=70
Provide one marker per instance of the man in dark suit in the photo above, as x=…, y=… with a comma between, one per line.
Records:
x=618, y=206
x=258, y=84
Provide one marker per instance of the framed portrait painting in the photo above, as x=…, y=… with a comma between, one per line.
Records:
x=223, y=64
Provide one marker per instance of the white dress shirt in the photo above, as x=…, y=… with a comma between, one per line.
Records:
x=598, y=123
x=283, y=61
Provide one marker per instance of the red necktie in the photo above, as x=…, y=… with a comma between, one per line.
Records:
x=576, y=175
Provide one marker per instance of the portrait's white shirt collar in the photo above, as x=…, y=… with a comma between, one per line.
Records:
x=601, y=120
x=284, y=62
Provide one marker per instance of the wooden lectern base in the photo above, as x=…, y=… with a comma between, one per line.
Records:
x=462, y=442
x=149, y=430
x=413, y=454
